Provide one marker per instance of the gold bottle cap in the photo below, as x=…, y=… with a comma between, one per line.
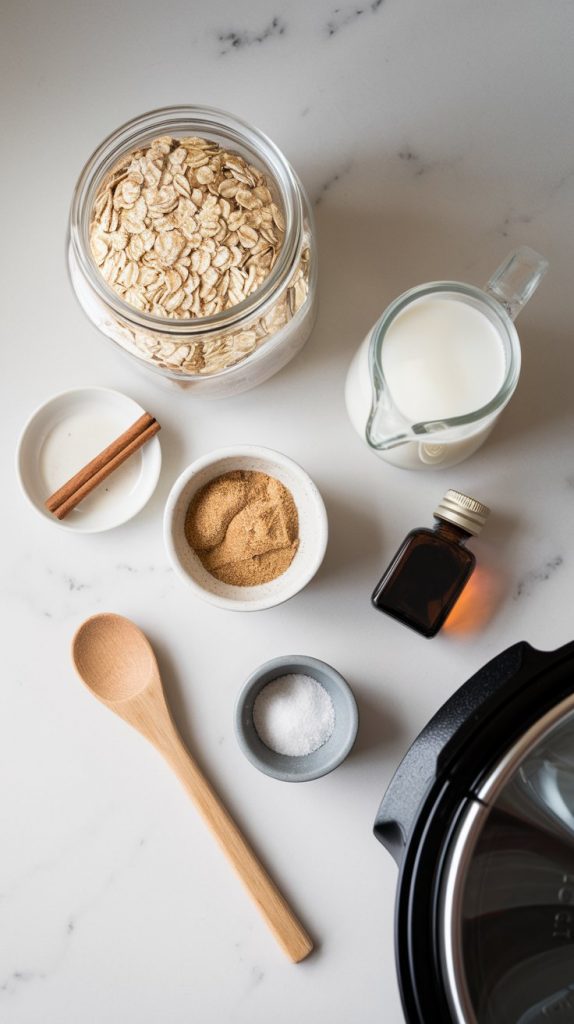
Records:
x=468, y=513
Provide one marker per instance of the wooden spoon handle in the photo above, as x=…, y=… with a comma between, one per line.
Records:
x=288, y=931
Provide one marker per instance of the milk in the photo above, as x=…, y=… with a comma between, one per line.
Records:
x=442, y=357
x=447, y=351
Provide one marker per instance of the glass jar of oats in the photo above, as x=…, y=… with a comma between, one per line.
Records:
x=191, y=246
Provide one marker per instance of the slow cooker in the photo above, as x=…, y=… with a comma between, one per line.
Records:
x=479, y=817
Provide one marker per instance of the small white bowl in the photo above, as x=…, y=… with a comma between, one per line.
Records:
x=313, y=529
x=63, y=435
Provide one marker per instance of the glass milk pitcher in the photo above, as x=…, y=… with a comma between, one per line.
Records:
x=429, y=381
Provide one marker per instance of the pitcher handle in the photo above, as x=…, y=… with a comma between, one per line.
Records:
x=516, y=280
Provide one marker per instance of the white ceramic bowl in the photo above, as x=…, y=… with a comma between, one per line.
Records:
x=313, y=530
x=64, y=434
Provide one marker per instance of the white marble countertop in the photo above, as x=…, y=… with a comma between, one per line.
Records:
x=433, y=138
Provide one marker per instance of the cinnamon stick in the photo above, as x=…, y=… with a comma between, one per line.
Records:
x=90, y=476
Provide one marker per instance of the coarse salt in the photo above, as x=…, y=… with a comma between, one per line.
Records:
x=294, y=715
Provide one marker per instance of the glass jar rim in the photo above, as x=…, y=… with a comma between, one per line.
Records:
x=163, y=121
x=508, y=385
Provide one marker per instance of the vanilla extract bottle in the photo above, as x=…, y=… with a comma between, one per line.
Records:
x=432, y=566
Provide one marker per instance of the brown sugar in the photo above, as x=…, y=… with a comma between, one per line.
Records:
x=244, y=528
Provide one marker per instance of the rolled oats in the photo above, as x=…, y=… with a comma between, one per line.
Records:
x=183, y=229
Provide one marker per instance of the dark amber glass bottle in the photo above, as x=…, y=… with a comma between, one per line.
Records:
x=427, y=575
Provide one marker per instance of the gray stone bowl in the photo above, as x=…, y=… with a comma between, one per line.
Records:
x=319, y=762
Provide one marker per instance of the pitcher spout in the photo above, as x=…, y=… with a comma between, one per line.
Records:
x=386, y=428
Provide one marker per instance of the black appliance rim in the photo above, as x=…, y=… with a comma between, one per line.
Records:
x=539, y=685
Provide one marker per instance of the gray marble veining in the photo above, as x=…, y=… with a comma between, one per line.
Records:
x=348, y=14
x=540, y=575
x=239, y=39
x=332, y=180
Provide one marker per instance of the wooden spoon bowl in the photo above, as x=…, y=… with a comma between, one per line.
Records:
x=112, y=668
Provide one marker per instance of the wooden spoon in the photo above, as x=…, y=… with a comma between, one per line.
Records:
x=115, y=660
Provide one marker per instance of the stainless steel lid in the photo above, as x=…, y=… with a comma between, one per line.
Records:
x=507, y=914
